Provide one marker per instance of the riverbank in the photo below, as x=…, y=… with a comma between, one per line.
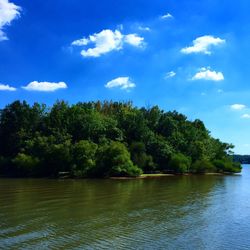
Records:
x=161, y=175
x=143, y=176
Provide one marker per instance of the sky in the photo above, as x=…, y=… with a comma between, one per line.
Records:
x=186, y=55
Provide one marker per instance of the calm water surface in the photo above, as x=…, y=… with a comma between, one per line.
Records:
x=184, y=212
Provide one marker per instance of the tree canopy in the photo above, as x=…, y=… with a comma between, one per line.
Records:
x=102, y=139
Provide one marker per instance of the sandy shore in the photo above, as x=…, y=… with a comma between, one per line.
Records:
x=145, y=176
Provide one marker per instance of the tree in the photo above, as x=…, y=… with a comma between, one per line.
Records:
x=202, y=166
x=179, y=163
x=18, y=123
x=93, y=138
x=114, y=160
x=161, y=152
x=84, y=155
x=226, y=165
x=140, y=158
x=26, y=165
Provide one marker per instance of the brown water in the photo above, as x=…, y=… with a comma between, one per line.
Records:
x=184, y=212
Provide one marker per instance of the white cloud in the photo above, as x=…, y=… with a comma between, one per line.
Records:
x=238, y=106
x=203, y=45
x=134, y=40
x=6, y=88
x=207, y=74
x=107, y=41
x=166, y=16
x=246, y=116
x=45, y=86
x=142, y=28
x=121, y=82
x=80, y=42
x=8, y=12
x=170, y=75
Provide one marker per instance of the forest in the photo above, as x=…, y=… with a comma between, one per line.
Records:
x=243, y=159
x=104, y=139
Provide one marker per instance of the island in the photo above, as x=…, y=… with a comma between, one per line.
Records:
x=106, y=139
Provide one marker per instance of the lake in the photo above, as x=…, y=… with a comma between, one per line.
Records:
x=180, y=212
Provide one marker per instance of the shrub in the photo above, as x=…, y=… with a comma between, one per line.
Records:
x=179, y=163
x=25, y=164
x=226, y=165
x=114, y=160
x=84, y=158
x=202, y=166
x=140, y=158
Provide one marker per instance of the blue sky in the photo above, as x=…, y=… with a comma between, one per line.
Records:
x=190, y=56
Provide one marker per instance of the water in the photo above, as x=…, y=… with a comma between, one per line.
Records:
x=182, y=212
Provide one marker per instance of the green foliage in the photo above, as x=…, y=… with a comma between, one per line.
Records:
x=202, y=166
x=114, y=160
x=236, y=167
x=226, y=165
x=58, y=158
x=160, y=150
x=84, y=155
x=140, y=158
x=179, y=163
x=243, y=159
x=101, y=139
x=25, y=164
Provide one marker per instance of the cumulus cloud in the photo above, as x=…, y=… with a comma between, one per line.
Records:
x=134, y=40
x=45, y=86
x=245, y=116
x=107, y=41
x=80, y=42
x=203, y=45
x=8, y=12
x=170, y=74
x=166, y=16
x=208, y=75
x=237, y=106
x=121, y=82
x=4, y=87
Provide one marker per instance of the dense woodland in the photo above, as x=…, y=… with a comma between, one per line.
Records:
x=102, y=139
x=243, y=159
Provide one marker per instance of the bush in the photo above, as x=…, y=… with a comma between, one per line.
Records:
x=140, y=158
x=237, y=167
x=84, y=158
x=114, y=160
x=179, y=163
x=202, y=166
x=58, y=158
x=226, y=165
x=25, y=164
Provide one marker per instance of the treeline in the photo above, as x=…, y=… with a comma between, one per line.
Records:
x=101, y=139
x=243, y=159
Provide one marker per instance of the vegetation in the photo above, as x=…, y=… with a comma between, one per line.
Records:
x=102, y=139
x=243, y=159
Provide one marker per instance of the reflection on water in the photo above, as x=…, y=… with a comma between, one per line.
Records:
x=182, y=212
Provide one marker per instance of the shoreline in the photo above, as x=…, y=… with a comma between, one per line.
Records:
x=151, y=176
x=143, y=176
